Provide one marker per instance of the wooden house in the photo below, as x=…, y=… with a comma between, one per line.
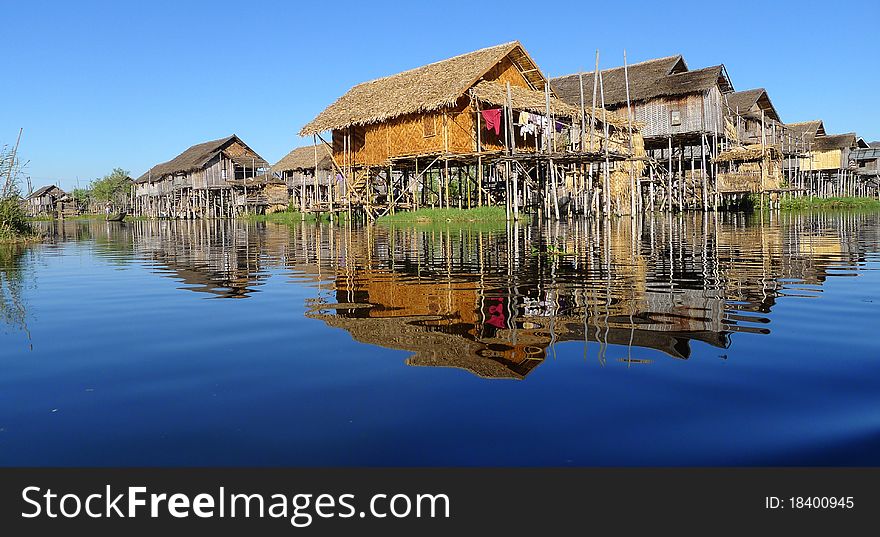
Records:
x=865, y=164
x=482, y=127
x=207, y=180
x=307, y=188
x=826, y=164
x=681, y=113
x=44, y=201
x=755, y=118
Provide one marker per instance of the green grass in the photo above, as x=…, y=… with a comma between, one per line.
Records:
x=291, y=217
x=14, y=225
x=850, y=202
x=438, y=216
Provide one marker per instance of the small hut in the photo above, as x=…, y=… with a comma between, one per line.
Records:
x=310, y=177
x=827, y=164
x=865, y=163
x=208, y=180
x=44, y=201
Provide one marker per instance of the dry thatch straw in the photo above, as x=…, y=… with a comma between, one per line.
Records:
x=621, y=174
x=835, y=141
x=807, y=130
x=303, y=158
x=749, y=153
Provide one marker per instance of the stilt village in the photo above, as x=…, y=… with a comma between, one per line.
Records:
x=488, y=128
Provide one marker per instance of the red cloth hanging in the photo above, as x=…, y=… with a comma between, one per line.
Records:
x=496, y=312
x=493, y=120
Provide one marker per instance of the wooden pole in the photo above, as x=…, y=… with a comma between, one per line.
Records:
x=632, y=173
x=479, y=157
x=607, y=184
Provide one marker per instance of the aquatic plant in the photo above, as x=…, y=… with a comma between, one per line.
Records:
x=843, y=202
x=477, y=214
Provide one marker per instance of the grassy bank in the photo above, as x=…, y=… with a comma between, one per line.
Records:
x=438, y=216
x=291, y=217
x=14, y=225
x=851, y=202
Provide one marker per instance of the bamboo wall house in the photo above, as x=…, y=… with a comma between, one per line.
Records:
x=828, y=167
x=480, y=128
x=310, y=178
x=216, y=179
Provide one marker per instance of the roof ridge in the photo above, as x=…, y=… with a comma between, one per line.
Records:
x=399, y=73
x=628, y=66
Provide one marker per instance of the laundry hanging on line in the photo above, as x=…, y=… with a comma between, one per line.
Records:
x=492, y=118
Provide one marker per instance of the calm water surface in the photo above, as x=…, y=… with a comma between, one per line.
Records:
x=677, y=340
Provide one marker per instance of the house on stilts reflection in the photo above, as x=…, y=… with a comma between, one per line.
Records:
x=217, y=179
x=483, y=128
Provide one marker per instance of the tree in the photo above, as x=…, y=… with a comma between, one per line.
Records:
x=114, y=187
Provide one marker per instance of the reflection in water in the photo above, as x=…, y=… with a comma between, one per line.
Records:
x=13, y=310
x=498, y=302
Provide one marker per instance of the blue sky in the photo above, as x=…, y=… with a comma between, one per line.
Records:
x=98, y=85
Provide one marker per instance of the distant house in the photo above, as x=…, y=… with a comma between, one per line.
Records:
x=831, y=152
x=297, y=170
x=208, y=180
x=826, y=164
x=865, y=164
x=43, y=201
x=755, y=118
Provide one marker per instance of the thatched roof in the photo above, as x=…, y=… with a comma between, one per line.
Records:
x=743, y=102
x=807, y=129
x=196, y=157
x=647, y=80
x=303, y=158
x=42, y=191
x=427, y=88
x=748, y=153
x=834, y=141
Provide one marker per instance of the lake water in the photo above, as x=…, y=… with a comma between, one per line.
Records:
x=688, y=340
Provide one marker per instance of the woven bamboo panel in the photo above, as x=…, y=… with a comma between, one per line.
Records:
x=822, y=160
